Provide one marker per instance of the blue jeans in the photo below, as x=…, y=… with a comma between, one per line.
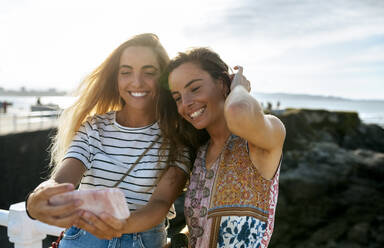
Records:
x=77, y=238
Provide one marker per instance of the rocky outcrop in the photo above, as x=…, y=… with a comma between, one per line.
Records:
x=342, y=128
x=331, y=183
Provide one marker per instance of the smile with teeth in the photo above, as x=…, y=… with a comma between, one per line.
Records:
x=197, y=113
x=138, y=94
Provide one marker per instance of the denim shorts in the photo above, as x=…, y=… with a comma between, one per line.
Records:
x=77, y=238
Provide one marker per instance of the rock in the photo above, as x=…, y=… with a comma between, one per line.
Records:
x=331, y=182
x=359, y=233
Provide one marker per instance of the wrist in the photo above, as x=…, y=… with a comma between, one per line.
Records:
x=239, y=86
x=129, y=225
x=26, y=206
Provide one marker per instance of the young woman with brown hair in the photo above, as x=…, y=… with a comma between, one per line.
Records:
x=232, y=193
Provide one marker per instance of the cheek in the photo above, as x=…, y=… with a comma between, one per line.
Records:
x=119, y=85
x=179, y=109
x=152, y=83
x=121, y=82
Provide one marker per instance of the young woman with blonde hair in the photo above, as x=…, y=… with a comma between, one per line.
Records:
x=99, y=138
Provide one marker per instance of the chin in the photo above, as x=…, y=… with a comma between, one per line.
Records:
x=198, y=126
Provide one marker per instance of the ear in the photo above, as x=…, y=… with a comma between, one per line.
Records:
x=223, y=87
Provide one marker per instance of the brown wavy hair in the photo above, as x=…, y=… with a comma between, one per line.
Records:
x=175, y=128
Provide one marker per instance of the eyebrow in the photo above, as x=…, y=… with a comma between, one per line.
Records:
x=144, y=67
x=150, y=67
x=187, y=85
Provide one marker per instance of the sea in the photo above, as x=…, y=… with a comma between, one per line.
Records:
x=370, y=111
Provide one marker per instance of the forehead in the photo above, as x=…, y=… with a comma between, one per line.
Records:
x=184, y=73
x=137, y=56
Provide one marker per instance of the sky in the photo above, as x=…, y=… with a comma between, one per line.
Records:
x=331, y=48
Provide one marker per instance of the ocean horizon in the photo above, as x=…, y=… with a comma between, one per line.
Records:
x=370, y=111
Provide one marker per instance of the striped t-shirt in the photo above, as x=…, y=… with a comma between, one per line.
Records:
x=108, y=149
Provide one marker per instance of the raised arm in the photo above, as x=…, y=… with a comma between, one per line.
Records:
x=245, y=117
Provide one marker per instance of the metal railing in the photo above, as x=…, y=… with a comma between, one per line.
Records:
x=25, y=122
x=23, y=231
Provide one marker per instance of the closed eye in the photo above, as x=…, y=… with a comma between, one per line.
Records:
x=125, y=72
x=195, y=89
x=150, y=73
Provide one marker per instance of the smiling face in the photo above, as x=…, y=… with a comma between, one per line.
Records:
x=199, y=98
x=137, y=78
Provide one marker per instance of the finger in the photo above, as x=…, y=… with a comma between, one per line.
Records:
x=239, y=69
x=112, y=221
x=97, y=222
x=63, y=210
x=107, y=222
x=92, y=227
x=54, y=190
x=238, y=75
x=89, y=227
x=66, y=221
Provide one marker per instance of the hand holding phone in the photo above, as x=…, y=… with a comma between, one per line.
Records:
x=97, y=201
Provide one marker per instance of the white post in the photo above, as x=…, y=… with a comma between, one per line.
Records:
x=22, y=230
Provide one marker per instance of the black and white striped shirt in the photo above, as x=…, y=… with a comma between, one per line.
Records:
x=108, y=149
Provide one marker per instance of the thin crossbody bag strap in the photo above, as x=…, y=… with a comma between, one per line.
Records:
x=136, y=162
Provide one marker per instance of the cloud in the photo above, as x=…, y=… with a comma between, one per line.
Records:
x=297, y=23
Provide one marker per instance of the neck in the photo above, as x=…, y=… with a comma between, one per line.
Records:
x=219, y=132
x=130, y=117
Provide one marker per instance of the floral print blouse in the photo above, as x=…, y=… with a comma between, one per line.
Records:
x=234, y=230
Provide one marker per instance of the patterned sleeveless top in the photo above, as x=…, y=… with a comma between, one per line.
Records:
x=231, y=204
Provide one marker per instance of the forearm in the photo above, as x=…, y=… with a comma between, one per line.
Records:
x=147, y=217
x=241, y=110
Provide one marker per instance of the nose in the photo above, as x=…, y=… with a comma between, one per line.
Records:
x=187, y=101
x=136, y=80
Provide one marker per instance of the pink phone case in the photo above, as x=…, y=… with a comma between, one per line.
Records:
x=111, y=201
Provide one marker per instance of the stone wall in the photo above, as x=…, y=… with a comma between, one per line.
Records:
x=24, y=164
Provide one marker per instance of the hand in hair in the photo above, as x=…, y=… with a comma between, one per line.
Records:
x=240, y=79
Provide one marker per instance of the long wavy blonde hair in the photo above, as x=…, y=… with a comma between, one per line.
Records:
x=98, y=94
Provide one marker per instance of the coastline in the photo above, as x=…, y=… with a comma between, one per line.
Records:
x=370, y=111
